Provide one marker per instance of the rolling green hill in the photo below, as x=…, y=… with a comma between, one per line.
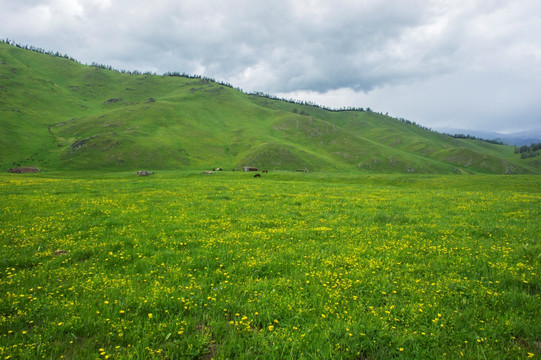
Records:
x=57, y=114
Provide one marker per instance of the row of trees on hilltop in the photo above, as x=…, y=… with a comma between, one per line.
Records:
x=38, y=50
x=129, y=72
x=203, y=78
x=65, y=56
x=304, y=102
x=471, y=137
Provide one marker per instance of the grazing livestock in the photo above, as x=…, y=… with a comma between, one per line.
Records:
x=257, y=175
x=217, y=169
x=265, y=171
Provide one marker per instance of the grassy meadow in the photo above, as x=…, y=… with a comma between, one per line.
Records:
x=181, y=265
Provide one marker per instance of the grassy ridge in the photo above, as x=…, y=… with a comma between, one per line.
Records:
x=292, y=265
x=57, y=114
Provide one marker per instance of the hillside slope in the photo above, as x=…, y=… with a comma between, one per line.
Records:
x=57, y=114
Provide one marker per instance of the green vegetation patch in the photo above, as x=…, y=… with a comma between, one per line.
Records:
x=182, y=265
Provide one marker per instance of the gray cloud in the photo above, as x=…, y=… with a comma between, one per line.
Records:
x=432, y=61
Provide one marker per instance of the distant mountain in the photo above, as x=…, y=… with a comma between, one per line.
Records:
x=516, y=138
x=57, y=114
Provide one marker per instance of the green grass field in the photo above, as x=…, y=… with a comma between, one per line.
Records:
x=181, y=265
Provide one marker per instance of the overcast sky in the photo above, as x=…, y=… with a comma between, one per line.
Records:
x=468, y=64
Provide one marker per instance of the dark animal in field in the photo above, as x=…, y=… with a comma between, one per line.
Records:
x=24, y=169
x=217, y=169
x=265, y=171
x=257, y=175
